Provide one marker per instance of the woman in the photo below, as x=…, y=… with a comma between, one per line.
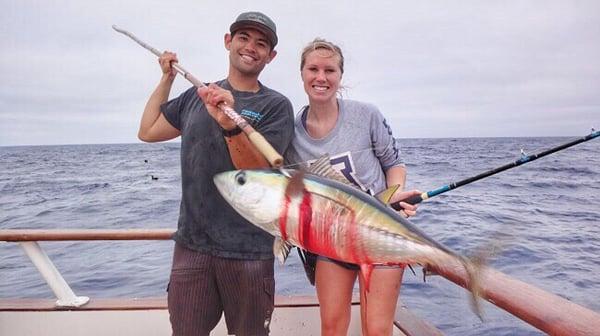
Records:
x=361, y=146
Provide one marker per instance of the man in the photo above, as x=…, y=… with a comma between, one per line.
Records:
x=221, y=263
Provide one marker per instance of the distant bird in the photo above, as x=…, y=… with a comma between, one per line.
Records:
x=154, y=177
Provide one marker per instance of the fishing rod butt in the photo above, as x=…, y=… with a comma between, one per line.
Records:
x=415, y=199
x=263, y=146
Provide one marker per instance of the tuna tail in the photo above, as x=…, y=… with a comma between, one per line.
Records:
x=475, y=264
x=473, y=267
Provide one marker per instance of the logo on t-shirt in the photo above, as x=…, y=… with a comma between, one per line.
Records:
x=251, y=115
x=344, y=163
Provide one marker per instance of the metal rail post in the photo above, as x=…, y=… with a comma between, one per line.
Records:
x=65, y=295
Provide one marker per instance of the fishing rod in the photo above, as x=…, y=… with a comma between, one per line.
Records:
x=263, y=146
x=523, y=160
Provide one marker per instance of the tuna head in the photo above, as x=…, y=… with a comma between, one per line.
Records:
x=257, y=195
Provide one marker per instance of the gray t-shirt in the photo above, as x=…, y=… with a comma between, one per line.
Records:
x=206, y=222
x=361, y=145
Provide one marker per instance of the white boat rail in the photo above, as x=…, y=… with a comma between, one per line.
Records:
x=27, y=239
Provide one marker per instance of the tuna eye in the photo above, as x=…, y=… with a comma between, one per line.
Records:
x=240, y=178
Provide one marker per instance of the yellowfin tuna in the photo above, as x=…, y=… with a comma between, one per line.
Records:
x=320, y=213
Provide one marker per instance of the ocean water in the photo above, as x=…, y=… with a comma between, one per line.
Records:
x=545, y=213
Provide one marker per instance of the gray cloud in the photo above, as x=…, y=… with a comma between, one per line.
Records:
x=435, y=69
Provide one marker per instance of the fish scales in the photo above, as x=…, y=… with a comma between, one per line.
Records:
x=344, y=226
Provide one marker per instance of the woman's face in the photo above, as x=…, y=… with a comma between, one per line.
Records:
x=321, y=75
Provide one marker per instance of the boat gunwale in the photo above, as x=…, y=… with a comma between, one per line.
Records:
x=24, y=235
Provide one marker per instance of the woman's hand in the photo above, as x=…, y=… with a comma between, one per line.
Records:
x=408, y=210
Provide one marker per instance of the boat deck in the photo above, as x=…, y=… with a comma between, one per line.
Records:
x=296, y=315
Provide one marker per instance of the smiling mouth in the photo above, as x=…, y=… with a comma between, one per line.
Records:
x=320, y=88
x=248, y=58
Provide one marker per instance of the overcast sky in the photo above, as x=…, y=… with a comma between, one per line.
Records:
x=434, y=68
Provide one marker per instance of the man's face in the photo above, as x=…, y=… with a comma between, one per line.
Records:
x=249, y=51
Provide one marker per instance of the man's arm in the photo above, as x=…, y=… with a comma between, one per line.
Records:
x=153, y=126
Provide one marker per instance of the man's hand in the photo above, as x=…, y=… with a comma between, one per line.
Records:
x=212, y=95
x=408, y=210
x=166, y=61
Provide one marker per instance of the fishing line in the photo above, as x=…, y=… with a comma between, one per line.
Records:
x=524, y=158
x=307, y=162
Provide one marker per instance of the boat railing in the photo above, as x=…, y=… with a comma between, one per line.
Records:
x=548, y=312
x=28, y=239
x=405, y=321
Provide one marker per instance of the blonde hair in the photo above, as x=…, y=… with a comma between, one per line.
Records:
x=322, y=44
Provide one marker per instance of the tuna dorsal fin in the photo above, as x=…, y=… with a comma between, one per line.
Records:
x=387, y=194
x=322, y=167
x=281, y=249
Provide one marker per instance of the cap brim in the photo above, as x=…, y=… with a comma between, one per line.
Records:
x=255, y=25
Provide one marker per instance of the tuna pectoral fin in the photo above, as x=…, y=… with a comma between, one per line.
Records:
x=281, y=249
x=295, y=186
x=365, y=272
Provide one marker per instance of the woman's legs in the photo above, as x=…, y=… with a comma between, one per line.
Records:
x=377, y=315
x=334, y=289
